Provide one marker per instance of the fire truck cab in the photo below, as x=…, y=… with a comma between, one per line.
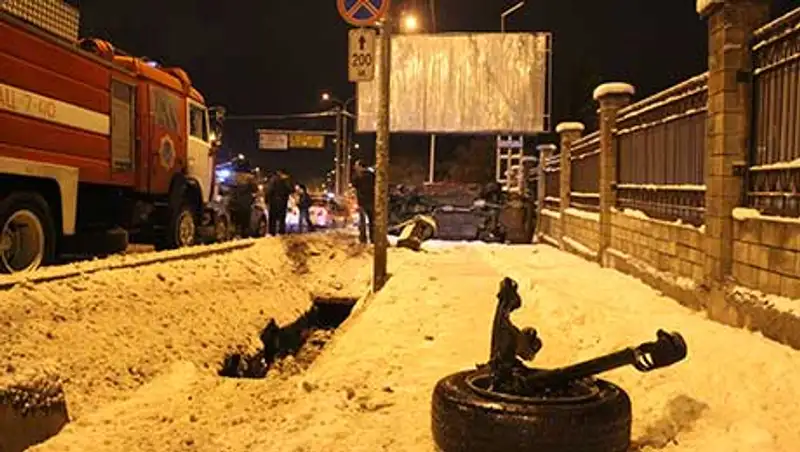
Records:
x=95, y=145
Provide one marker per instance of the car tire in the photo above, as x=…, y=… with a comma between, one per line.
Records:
x=31, y=208
x=468, y=420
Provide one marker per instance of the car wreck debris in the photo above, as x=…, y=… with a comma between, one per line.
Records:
x=504, y=405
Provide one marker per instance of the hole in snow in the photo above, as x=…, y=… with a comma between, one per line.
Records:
x=291, y=349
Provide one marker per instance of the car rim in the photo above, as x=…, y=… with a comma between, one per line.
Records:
x=22, y=242
x=575, y=392
x=186, y=229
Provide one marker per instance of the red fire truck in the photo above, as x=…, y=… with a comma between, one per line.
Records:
x=95, y=144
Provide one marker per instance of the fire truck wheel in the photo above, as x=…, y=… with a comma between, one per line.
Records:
x=181, y=229
x=27, y=233
x=466, y=417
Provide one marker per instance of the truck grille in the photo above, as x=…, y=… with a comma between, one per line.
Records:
x=54, y=16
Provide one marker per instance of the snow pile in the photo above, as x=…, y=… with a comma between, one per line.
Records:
x=580, y=247
x=757, y=298
x=370, y=390
x=676, y=280
x=110, y=332
x=635, y=213
x=746, y=213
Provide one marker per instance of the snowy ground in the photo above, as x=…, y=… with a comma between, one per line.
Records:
x=370, y=390
x=108, y=332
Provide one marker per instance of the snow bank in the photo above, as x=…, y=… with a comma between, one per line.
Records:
x=580, y=247
x=136, y=256
x=745, y=213
x=675, y=280
x=371, y=389
x=110, y=332
x=758, y=298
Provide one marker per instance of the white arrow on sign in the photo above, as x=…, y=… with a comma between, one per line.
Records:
x=361, y=55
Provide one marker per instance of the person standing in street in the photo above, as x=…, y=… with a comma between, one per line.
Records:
x=278, y=192
x=364, y=183
x=304, y=207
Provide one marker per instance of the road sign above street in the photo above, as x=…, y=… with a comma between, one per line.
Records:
x=362, y=13
x=361, y=54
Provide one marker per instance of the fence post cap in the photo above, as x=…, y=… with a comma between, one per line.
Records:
x=613, y=88
x=547, y=147
x=570, y=127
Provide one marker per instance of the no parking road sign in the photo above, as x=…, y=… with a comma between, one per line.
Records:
x=362, y=13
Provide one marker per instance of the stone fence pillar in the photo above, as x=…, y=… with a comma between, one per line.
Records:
x=612, y=97
x=731, y=24
x=545, y=151
x=569, y=132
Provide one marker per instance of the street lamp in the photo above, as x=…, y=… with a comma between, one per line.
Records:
x=410, y=23
x=506, y=13
x=342, y=160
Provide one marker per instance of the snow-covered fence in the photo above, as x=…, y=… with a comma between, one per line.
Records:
x=585, y=177
x=661, y=149
x=552, y=182
x=774, y=175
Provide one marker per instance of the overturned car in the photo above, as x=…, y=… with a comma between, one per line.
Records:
x=464, y=212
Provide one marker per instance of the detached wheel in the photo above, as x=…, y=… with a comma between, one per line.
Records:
x=466, y=417
x=27, y=233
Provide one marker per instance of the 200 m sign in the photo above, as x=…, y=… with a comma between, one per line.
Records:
x=361, y=59
x=361, y=55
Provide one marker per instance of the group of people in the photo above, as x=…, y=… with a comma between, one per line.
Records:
x=279, y=190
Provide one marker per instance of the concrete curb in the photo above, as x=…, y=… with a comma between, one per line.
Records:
x=49, y=274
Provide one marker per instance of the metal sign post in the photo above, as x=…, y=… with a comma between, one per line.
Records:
x=365, y=13
x=379, y=271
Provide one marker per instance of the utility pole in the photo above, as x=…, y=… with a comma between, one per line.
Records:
x=337, y=161
x=345, y=158
x=381, y=227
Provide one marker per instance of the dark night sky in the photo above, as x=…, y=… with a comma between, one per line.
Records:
x=275, y=57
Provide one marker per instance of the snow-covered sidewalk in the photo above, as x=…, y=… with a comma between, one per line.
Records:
x=370, y=390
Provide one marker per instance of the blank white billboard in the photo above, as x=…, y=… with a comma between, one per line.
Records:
x=463, y=83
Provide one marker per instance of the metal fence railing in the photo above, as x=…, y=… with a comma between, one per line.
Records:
x=774, y=174
x=661, y=143
x=585, y=176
